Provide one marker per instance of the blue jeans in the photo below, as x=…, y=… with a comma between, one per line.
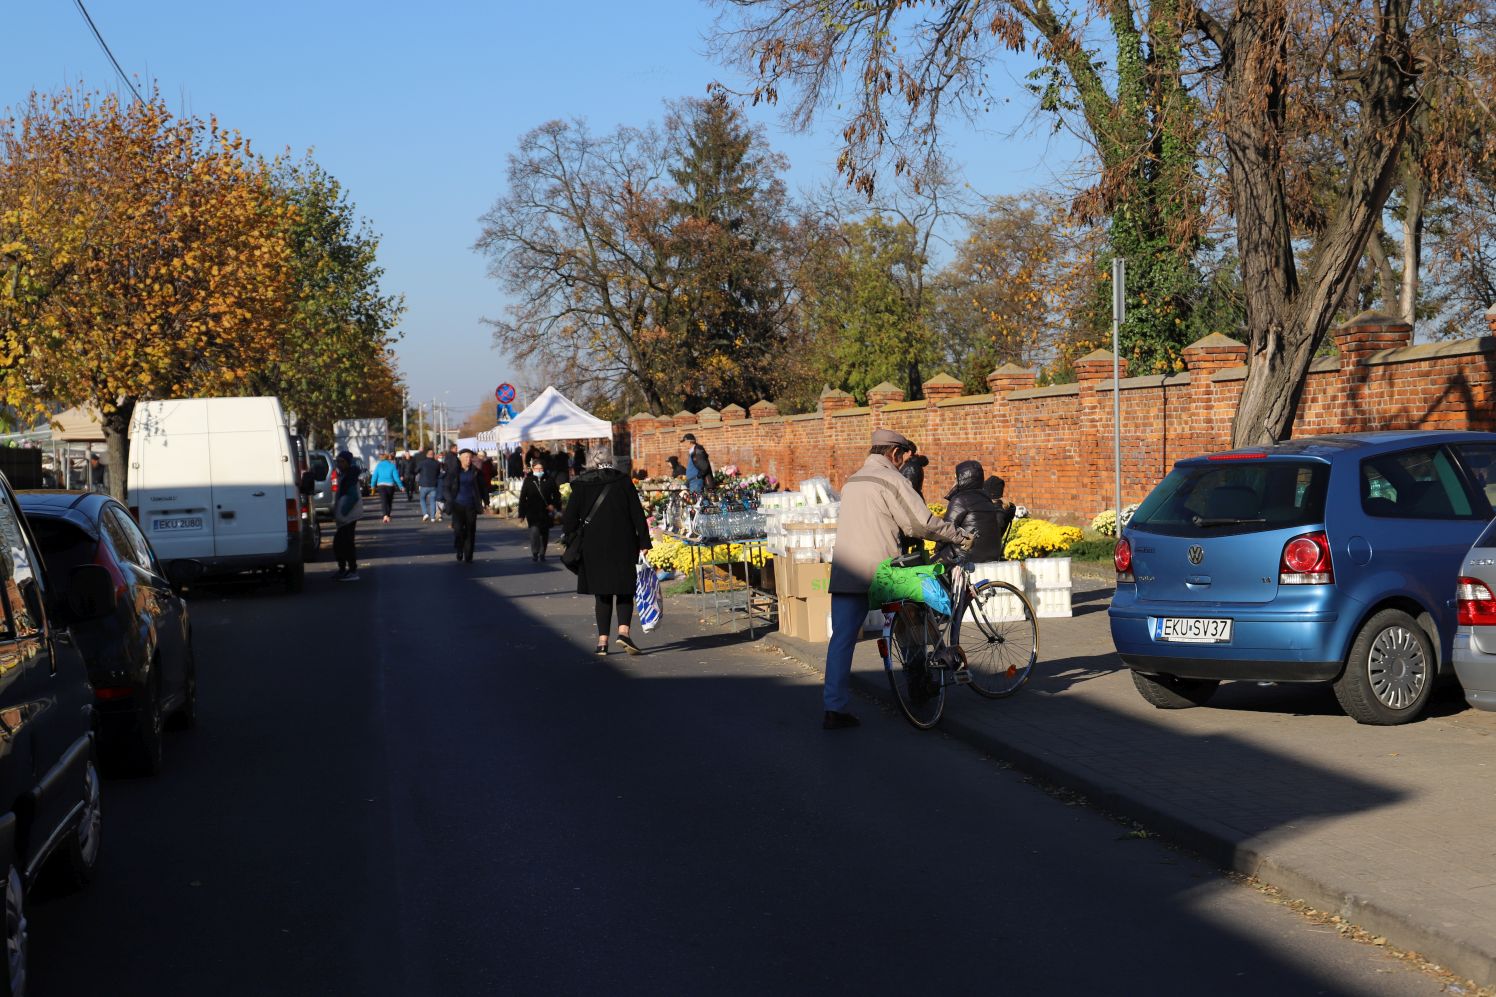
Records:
x=428, y=501
x=847, y=614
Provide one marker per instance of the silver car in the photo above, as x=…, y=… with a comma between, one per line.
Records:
x=1474, y=650
x=322, y=497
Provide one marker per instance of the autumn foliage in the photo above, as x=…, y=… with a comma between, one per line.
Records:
x=142, y=255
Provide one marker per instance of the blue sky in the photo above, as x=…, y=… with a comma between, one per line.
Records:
x=414, y=108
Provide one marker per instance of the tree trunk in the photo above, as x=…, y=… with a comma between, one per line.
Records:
x=1412, y=239
x=1286, y=321
x=116, y=425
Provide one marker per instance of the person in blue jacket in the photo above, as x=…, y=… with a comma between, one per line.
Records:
x=698, y=465
x=384, y=480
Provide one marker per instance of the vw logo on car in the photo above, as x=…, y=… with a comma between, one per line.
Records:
x=1196, y=554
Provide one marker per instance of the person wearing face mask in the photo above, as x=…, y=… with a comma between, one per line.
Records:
x=539, y=498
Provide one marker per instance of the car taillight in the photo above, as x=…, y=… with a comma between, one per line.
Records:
x=332, y=482
x=293, y=517
x=1477, y=604
x=117, y=692
x=1306, y=561
x=1122, y=558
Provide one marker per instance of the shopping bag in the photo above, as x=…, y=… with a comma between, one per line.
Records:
x=647, y=596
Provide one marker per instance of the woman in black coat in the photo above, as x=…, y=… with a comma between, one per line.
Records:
x=971, y=508
x=612, y=541
x=539, y=501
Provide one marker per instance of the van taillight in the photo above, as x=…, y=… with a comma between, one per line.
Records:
x=1306, y=561
x=1477, y=606
x=1122, y=559
x=293, y=517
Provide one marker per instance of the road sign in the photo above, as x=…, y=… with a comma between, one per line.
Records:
x=504, y=413
x=504, y=394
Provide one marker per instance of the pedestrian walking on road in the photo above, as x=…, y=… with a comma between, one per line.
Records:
x=428, y=476
x=466, y=494
x=384, y=481
x=539, y=502
x=347, y=507
x=614, y=537
x=878, y=507
x=408, y=474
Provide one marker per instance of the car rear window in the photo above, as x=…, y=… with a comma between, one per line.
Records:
x=320, y=467
x=1233, y=497
x=64, y=547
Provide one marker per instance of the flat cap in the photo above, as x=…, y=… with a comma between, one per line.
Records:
x=888, y=438
x=688, y=436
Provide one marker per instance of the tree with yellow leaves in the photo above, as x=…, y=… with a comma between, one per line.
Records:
x=142, y=255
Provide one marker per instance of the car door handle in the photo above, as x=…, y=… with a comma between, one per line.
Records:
x=258, y=494
x=1197, y=580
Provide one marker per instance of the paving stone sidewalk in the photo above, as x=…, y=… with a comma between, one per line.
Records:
x=1394, y=828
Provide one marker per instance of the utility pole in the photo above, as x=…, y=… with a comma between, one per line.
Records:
x=405, y=419
x=1119, y=315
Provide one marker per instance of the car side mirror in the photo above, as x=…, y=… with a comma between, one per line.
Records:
x=183, y=572
x=91, y=592
x=308, y=482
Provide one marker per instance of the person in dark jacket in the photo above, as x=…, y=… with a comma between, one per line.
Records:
x=559, y=466
x=428, y=477
x=466, y=494
x=970, y=508
x=914, y=473
x=347, y=507
x=994, y=488
x=677, y=469
x=539, y=501
x=407, y=467
x=611, y=542
x=515, y=466
x=698, y=466
x=578, y=458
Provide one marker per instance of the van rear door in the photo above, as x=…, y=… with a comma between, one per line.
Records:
x=251, y=467
x=170, y=486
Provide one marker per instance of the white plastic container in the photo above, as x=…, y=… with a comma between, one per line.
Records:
x=1049, y=572
x=1051, y=603
x=999, y=571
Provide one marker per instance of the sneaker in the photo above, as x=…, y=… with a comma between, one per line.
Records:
x=425, y=519
x=352, y=576
x=628, y=644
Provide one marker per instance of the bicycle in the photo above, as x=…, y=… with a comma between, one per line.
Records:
x=990, y=642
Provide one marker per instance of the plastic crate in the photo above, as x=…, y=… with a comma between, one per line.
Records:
x=1051, y=602
x=1048, y=572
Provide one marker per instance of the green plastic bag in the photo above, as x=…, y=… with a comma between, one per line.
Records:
x=891, y=584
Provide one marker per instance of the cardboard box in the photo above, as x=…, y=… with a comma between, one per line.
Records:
x=817, y=617
x=801, y=579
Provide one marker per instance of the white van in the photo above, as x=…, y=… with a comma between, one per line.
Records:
x=214, y=479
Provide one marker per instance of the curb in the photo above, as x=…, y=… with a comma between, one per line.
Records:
x=1450, y=946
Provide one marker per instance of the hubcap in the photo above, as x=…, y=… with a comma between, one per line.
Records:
x=15, y=934
x=91, y=823
x=1397, y=668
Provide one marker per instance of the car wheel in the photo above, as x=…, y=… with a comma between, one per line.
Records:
x=1169, y=692
x=17, y=934
x=1389, y=673
x=80, y=852
x=295, y=577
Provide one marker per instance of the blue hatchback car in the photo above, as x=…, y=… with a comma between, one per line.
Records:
x=1324, y=559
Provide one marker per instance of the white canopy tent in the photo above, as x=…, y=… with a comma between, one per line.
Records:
x=553, y=416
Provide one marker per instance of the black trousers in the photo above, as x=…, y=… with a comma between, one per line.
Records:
x=540, y=538
x=605, y=611
x=387, y=499
x=342, y=547
x=464, y=529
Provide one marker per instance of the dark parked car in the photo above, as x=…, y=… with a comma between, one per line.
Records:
x=139, y=657
x=1327, y=559
x=49, y=780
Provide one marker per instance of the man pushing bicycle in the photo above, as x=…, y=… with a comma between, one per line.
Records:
x=878, y=507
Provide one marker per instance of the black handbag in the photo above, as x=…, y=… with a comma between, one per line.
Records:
x=571, y=547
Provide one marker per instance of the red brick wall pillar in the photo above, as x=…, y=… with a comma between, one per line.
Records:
x=1199, y=427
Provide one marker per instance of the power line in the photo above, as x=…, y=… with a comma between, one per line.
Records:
x=105, y=46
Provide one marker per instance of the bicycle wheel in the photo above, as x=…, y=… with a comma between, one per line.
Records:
x=1000, y=640
x=919, y=689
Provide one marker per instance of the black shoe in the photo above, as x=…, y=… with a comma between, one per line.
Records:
x=602, y=649
x=535, y=558
x=459, y=557
x=628, y=645
x=834, y=720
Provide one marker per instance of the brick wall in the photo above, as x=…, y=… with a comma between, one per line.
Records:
x=1053, y=445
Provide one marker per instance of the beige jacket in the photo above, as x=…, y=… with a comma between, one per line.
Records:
x=877, y=505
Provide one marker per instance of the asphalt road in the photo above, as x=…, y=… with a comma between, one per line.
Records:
x=425, y=783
